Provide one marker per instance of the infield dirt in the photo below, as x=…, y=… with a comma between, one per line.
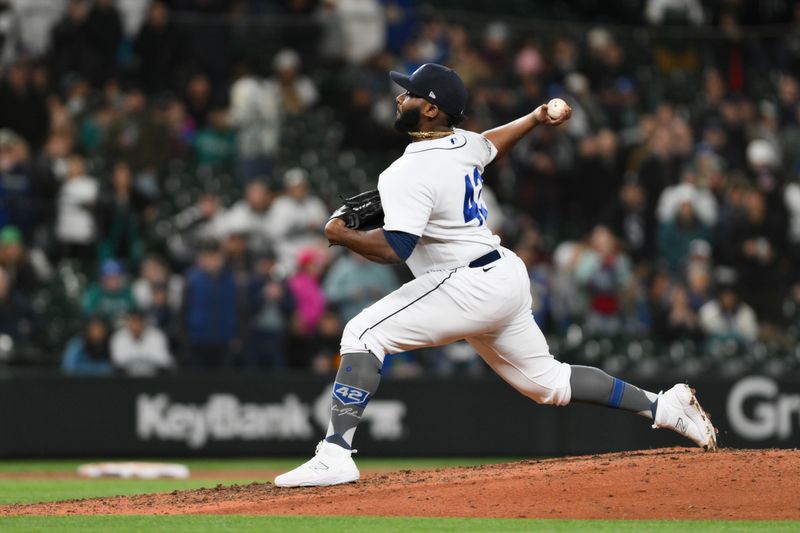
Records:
x=675, y=483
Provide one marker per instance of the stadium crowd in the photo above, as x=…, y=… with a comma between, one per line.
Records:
x=150, y=170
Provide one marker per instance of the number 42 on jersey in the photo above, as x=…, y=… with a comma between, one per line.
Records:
x=474, y=206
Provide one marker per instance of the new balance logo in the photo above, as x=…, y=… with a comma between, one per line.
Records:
x=681, y=426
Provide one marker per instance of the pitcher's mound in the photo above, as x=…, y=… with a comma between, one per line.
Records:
x=671, y=483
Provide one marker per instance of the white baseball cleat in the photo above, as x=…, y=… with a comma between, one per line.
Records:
x=679, y=410
x=332, y=465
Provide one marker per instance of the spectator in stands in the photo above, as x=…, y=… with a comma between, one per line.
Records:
x=675, y=235
x=134, y=137
x=296, y=217
x=324, y=346
x=49, y=171
x=354, y=283
x=569, y=303
x=161, y=314
x=211, y=319
x=133, y=15
x=364, y=128
x=16, y=182
x=496, y=48
x=629, y=218
x=14, y=258
x=36, y=18
x=198, y=99
x=157, y=293
x=255, y=113
x=661, y=166
x=155, y=274
x=202, y=222
x=180, y=127
x=16, y=313
x=727, y=317
x=139, y=349
x=297, y=92
x=701, y=198
x=88, y=353
x=204, y=47
x=238, y=256
x=22, y=108
x=215, y=145
x=76, y=230
x=110, y=298
x=118, y=218
x=71, y=47
x=353, y=30
x=310, y=301
x=678, y=321
x=304, y=33
x=605, y=273
x=659, y=12
x=752, y=247
x=540, y=276
x=105, y=32
x=464, y=58
x=252, y=215
x=597, y=157
x=698, y=276
x=271, y=308
x=157, y=49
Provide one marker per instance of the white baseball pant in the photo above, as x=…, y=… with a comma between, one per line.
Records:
x=489, y=306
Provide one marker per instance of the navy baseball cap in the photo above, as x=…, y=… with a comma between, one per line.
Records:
x=437, y=84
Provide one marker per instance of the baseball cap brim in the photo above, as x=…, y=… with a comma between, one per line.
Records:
x=402, y=80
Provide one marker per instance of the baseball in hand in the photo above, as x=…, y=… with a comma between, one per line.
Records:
x=555, y=108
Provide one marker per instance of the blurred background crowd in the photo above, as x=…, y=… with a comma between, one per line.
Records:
x=167, y=167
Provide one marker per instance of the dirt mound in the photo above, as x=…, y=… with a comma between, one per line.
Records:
x=671, y=483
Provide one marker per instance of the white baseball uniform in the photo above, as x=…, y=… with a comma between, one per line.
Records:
x=434, y=191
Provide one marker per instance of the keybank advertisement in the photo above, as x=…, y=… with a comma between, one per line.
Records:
x=255, y=415
x=223, y=417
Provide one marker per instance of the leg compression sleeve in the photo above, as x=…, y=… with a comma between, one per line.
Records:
x=592, y=385
x=356, y=382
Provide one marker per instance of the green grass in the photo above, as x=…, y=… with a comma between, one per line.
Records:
x=281, y=463
x=366, y=524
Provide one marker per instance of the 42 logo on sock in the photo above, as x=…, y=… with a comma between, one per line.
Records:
x=349, y=395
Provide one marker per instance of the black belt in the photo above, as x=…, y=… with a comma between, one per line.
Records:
x=484, y=260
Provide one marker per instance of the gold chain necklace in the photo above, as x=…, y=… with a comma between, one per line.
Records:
x=425, y=135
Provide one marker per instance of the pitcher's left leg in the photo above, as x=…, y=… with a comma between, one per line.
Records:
x=519, y=354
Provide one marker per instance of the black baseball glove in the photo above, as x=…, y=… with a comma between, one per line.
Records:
x=362, y=211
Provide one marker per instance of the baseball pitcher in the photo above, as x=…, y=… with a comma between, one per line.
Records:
x=466, y=286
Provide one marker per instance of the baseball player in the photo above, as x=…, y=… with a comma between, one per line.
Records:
x=466, y=286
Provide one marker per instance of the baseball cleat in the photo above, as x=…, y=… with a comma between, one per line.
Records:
x=679, y=410
x=332, y=465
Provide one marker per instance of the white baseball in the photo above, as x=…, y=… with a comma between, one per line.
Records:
x=555, y=108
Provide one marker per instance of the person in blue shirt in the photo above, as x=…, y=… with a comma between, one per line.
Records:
x=87, y=354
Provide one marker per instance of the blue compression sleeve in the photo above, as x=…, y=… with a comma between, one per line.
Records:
x=401, y=242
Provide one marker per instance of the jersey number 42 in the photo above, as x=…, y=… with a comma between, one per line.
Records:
x=474, y=206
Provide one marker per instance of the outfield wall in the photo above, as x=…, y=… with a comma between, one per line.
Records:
x=258, y=415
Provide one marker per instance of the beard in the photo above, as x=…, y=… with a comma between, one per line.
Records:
x=408, y=120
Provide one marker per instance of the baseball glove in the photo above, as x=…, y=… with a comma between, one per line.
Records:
x=362, y=211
